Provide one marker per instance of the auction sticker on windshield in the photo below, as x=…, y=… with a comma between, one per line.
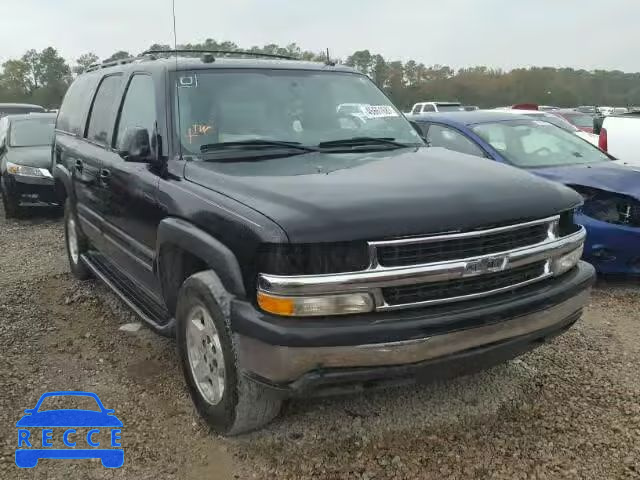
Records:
x=380, y=111
x=69, y=426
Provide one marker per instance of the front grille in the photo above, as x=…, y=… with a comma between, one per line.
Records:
x=460, y=287
x=454, y=249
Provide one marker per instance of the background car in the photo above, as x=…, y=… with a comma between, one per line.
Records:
x=25, y=161
x=582, y=121
x=428, y=107
x=18, y=108
x=611, y=191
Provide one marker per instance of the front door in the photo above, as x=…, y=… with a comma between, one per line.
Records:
x=131, y=211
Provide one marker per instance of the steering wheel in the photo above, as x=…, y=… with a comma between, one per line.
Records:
x=349, y=118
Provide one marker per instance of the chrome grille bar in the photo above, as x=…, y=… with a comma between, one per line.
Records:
x=378, y=277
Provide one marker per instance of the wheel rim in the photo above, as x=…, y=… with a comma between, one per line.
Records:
x=72, y=240
x=205, y=355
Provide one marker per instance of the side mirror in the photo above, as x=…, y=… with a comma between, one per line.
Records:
x=136, y=145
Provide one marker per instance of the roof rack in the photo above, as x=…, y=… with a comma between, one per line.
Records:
x=111, y=63
x=223, y=52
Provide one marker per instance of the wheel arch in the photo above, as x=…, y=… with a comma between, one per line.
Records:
x=183, y=249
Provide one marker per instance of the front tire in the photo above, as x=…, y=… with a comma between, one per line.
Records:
x=77, y=244
x=230, y=402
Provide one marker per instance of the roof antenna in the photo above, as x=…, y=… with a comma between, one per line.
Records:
x=329, y=62
x=175, y=46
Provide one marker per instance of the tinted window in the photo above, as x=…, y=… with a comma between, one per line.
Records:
x=138, y=109
x=13, y=110
x=579, y=120
x=416, y=109
x=450, y=108
x=532, y=143
x=429, y=108
x=32, y=132
x=103, y=109
x=76, y=104
x=440, y=136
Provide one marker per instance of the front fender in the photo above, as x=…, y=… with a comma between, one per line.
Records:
x=183, y=234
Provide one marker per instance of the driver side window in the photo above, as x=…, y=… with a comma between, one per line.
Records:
x=441, y=136
x=138, y=109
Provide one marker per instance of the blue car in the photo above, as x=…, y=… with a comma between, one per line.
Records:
x=611, y=190
x=28, y=452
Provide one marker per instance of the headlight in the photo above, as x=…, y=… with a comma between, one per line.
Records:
x=27, y=171
x=566, y=262
x=315, y=306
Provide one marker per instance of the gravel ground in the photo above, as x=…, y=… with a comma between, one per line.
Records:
x=571, y=409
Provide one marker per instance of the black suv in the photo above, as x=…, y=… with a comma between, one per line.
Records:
x=295, y=246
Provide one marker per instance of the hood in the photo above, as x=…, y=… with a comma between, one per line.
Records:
x=635, y=164
x=320, y=197
x=69, y=418
x=39, y=157
x=614, y=176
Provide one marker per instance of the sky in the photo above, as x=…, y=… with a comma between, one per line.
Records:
x=589, y=34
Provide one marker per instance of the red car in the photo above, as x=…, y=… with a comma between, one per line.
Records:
x=581, y=120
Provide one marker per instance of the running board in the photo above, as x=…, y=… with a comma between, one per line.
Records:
x=157, y=316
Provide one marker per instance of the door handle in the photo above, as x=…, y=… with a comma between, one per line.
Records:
x=105, y=175
x=79, y=165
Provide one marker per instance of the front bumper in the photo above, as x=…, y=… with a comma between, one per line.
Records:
x=301, y=361
x=612, y=249
x=29, y=189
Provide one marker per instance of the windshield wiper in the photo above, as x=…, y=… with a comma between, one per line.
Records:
x=255, y=144
x=363, y=141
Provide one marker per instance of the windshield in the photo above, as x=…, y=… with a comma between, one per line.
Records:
x=32, y=132
x=579, y=119
x=534, y=143
x=306, y=107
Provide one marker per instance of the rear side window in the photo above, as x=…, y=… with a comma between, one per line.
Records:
x=138, y=109
x=103, y=109
x=441, y=136
x=76, y=104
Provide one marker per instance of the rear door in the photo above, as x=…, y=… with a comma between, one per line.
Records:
x=90, y=155
x=131, y=212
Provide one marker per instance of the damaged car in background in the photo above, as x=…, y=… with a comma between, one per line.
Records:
x=611, y=190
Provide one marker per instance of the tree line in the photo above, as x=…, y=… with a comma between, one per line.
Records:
x=42, y=77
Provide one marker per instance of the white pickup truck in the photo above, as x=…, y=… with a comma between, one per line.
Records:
x=620, y=137
x=430, y=107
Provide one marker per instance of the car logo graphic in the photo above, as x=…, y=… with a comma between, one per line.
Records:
x=29, y=442
x=485, y=265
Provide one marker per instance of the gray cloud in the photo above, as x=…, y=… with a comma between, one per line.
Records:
x=497, y=33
